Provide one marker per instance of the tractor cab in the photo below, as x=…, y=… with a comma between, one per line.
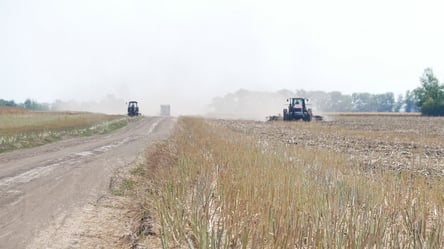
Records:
x=297, y=104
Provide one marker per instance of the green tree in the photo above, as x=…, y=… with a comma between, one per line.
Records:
x=430, y=95
x=28, y=104
x=432, y=107
x=9, y=103
x=338, y=102
x=362, y=102
x=384, y=102
x=34, y=105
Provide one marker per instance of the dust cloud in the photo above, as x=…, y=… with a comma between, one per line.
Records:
x=111, y=104
x=241, y=104
x=245, y=104
x=185, y=53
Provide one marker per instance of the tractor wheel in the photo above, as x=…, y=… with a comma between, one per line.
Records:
x=307, y=117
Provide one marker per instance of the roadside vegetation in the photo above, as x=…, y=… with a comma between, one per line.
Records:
x=20, y=128
x=213, y=187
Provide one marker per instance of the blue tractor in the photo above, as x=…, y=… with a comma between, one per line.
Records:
x=133, y=109
x=298, y=108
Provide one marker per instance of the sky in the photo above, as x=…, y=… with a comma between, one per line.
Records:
x=188, y=52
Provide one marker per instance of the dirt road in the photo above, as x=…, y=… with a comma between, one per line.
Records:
x=41, y=187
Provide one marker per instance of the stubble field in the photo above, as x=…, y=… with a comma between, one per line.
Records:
x=376, y=142
x=20, y=128
x=364, y=181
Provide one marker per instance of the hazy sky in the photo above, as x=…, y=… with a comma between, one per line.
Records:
x=171, y=51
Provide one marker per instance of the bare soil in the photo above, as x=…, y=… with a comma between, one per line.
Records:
x=375, y=142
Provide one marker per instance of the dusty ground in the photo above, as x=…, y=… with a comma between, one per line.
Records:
x=413, y=145
x=59, y=195
x=397, y=143
x=403, y=143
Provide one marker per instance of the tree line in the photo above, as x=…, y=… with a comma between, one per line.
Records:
x=29, y=104
x=428, y=99
x=108, y=104
x=254, y=104
x=356, y=102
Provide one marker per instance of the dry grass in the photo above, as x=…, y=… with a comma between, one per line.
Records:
x=12, y=110
x=412, y=144
x=211, y=187
x=22, y=129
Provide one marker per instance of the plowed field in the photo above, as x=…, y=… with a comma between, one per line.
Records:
x=403, y=143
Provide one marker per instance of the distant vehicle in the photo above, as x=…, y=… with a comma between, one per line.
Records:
x=165, y=110
x=133, y=109
x=299, y=108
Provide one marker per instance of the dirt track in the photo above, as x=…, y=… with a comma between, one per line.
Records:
x=43, y=189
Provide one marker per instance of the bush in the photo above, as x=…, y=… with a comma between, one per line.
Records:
x=432, y=107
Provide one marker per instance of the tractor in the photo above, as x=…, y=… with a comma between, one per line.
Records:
x=298, y=108
x=133, y=109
